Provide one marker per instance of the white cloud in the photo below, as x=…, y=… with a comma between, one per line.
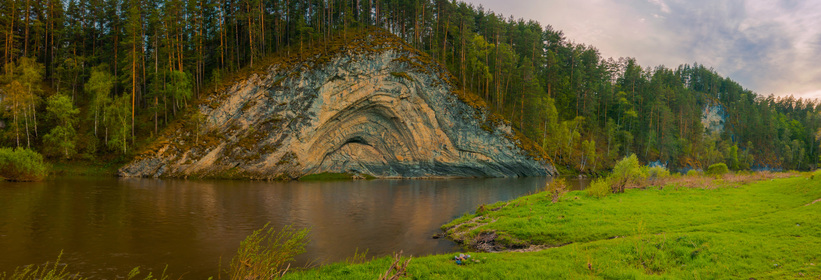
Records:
x=663, y=6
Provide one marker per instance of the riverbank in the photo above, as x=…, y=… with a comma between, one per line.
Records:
x=764, y=229
x=84, y=168
x=693, y=228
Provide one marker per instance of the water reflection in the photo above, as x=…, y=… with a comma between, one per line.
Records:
x=106, y=226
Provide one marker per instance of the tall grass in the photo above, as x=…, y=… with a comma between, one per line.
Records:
x=358, y=257
x=48, y=271
x=57, y=271
x=266, y=253
x=136, y=272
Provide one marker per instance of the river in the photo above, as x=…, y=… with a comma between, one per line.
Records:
x=104, y=227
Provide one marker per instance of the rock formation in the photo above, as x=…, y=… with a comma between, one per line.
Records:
x=713, y=117
x=366, y=105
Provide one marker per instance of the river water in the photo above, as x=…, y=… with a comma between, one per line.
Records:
x=104, y=227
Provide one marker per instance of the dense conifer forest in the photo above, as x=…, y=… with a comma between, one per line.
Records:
x=95, y=79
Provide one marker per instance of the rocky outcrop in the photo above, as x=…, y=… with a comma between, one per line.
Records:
x=713, y=117
x=371, y=105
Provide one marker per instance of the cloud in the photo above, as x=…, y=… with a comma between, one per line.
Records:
x=766, y=46
x=663, y=6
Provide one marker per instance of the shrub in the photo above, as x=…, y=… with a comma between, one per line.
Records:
x=600, y=187
x=656, y=172
x=556, y=189
x=692, y=173
x=816, y=174
x=717, y=169
x=265, y=253
x=22, y=165
x=481, y=210
x=627, y=170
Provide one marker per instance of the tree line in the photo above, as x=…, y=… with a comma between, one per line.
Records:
x=123, y=69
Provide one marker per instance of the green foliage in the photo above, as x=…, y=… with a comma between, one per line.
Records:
x=196, y=119
x=655, y=172
x=21, y=96
x=22, y=164
x=265, y=253
x=731, y=157
x=816, y=174
x=626, y=171
x=119, y=120
x=717, y=169
x=62, y=137
x=216, y=77
x=550, y=142
x=692, y=173
x=30, y=73
x=99, y=88
x=599, y=187
x=552, y=90
x=179, y=85
x=589, y=155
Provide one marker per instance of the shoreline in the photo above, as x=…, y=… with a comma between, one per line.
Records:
x=735, y=226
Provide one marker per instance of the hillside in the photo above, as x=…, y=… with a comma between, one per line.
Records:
x=369, y=104
x=134, y=66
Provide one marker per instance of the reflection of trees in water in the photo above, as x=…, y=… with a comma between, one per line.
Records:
x=120, y=223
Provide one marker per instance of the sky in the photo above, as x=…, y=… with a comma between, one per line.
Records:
x=769, y=47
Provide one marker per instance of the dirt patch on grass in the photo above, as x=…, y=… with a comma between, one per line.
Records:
x=459, y=232
x=710, y=182
x=811, y=203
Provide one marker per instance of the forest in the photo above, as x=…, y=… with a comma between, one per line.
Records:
x=93, y=80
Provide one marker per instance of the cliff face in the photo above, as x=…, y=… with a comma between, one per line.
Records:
x=712, y=118
x=374, y=106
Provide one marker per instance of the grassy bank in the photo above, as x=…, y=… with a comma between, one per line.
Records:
x=764, y=230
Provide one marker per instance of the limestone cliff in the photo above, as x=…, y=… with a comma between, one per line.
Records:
x=713, y=117
x=367, y=105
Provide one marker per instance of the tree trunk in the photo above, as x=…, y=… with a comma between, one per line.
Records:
x=222, y=36
x=133, y=82
x=10, y=39
x=16, y=124
x=26, y=40
x=26, y=118
x=251, y=35
x=96, y=113
x=33, y=111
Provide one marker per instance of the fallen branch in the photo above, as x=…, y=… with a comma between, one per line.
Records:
x=397, y=269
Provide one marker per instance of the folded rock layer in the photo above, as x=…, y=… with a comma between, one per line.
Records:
x=370, y=104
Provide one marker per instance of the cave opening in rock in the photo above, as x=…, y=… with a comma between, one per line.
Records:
x=356, y=140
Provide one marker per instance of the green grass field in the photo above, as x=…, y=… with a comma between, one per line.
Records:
x=765, y=230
